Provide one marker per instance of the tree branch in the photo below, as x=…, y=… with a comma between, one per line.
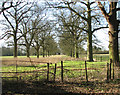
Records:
x=99, y=28
x=76, y=12
x=11, y=5
x=103, y=10
x=10, y=14
x=19, y=19
x=92, y=3
x=3, y=8
x=84, y=3
x=118, y=9
x=8, y=21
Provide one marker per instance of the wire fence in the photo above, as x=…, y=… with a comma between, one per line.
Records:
x=60, y=71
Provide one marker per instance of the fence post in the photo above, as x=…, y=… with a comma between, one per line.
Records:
x=86, y=71
x=47, y=71
x=55, y=71
x=62, y=71
x=108, y=71
x=110, y=68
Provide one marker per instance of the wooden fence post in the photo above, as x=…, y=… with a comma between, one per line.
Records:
x=86, y=71
x=62, y=71
x=47, y=71
x=55, y=71
x=110, y=68
x=108, y=71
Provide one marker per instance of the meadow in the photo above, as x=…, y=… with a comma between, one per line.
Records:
x=30, y=76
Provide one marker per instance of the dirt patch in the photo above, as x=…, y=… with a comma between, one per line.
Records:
x=34, y=61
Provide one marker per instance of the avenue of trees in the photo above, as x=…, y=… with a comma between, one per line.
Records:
x=29, y=25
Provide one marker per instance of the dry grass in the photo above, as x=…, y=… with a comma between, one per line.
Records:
x=34, y=61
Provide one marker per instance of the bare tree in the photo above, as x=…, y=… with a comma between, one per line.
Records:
x=113, y=23
x=71, y=30
x=86, y=15
x=28, y=35
x=14, y=16
x=38, y=39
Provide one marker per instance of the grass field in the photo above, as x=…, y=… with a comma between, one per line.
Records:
x=74, y=76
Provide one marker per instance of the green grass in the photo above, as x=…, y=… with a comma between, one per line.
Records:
x=101, y=57
x=71, y=69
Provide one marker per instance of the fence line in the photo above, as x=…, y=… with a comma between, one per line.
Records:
x=63, y=69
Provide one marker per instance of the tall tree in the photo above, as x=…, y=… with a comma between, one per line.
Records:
x=113, y=23
x=71, y=30
x=39, y=37
x=88, y=17
x=14, y=17
x=28, y=35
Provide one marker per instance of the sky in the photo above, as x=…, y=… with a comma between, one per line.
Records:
x=102, y=35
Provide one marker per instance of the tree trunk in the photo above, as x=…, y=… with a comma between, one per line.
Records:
x=71, y=53
x=75, y=49
x=28, y=51
x=89, y=48
x=38, y=53
x=43, y=52
x=15, y=47
x=113, y=23
x=113, y=43
x=89, y=34
x=48, y=53
x=77, y=54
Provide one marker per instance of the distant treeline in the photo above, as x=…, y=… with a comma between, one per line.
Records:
x=7, y=51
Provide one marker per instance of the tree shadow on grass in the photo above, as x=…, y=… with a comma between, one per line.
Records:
x=98, y=86
x=11, y=87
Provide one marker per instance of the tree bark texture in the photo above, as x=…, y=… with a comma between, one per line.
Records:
x=89, y=34
x=89, y=48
